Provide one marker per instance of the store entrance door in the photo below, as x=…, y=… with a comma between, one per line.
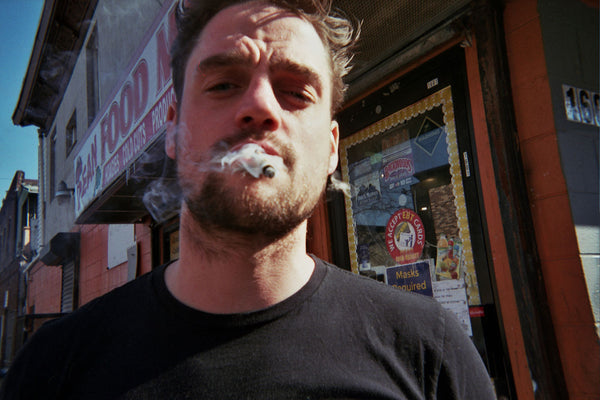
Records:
x=413, y=218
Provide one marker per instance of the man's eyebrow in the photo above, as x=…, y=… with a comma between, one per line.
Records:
x=307, y=73
x=223, y=60
x=237, y=59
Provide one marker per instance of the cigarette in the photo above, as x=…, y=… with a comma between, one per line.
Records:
x=269, y=171
x=251, y=158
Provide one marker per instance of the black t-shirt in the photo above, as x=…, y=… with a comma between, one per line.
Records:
x=339, y=337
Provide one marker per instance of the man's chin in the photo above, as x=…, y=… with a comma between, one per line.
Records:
x=239, y=203
x=264, y=221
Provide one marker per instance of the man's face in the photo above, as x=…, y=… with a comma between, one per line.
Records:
x=261, y=75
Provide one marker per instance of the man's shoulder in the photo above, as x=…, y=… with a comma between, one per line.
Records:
x=99, y=313
x=379, y=298
x=354, y=284
x=59, y=348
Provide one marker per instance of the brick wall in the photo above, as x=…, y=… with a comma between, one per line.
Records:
x=43, y=291
x=95, y=279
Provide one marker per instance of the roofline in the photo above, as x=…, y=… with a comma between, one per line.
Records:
x=33, y=67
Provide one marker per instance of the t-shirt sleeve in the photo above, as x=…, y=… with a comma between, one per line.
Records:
x=463, y=374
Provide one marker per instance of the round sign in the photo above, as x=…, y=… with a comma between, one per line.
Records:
x=405, y=236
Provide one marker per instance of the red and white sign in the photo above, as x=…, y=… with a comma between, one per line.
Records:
x=398, y=169
x=405, y=236
x=132, y=119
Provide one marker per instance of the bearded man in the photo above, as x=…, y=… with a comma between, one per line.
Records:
x=245, y=312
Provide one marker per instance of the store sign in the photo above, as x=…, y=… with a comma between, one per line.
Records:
x=581, y=105
x=398, y=169
x=411, y=277
x=131, y=120
x=405, y=236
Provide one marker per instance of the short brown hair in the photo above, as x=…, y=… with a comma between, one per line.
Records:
x=336, y=31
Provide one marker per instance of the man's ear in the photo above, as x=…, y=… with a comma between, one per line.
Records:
x=171, y=135
x=335, y=141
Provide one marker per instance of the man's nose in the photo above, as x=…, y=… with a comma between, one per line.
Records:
x=259, y=108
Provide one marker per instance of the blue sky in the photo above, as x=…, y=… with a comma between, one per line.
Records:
x=18, y=146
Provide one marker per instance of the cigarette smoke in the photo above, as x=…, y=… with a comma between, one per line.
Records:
x=336, y=184
x=250, y=158
x=163, y=194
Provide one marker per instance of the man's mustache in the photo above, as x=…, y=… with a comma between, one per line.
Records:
x=240, y=137
x=206, y=161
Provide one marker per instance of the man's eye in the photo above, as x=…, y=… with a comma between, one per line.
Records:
x=221, y=87
x=299, y=95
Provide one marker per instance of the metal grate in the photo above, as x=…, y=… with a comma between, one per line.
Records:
x=68, y=287
x=390, y=25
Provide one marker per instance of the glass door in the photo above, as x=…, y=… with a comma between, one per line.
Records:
x=413, y=219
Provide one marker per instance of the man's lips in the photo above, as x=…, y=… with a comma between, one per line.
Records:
x=252, y=158
x=266, y=147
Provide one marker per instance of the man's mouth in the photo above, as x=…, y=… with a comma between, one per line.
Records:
x=252, y=158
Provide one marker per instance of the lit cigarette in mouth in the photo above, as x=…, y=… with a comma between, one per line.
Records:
x=252, y=159
x=269, y=171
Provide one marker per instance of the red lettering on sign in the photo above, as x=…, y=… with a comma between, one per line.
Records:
x=84, y=172
x=126, y=109
x=140, y=88
x=163, y=58
x=399, y=168
x=476, y=312
x=113, y=126
x=122, y=114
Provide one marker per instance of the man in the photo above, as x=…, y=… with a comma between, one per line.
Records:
x=245, y=313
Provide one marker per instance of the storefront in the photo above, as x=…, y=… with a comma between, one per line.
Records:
x=449, y=144
x=428, y=150
x=448, y=147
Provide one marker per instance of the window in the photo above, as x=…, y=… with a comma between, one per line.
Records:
x=408, y=204
x=91, y=51
x=52, y=165
x=69, y=288
x=166, y=239
x=71, y=133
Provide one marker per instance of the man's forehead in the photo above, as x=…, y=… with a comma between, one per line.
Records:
x=260, y=27
x=248, y=18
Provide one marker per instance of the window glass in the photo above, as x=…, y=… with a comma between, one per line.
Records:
x=71, y=133
x=52, y=156
x=407, y=205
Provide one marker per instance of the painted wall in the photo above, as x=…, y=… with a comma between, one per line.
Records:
x=549, y=192
x=570, y=35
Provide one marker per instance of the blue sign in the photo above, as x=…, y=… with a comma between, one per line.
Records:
x=413, y=277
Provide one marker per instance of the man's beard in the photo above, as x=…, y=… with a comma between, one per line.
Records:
x=236, y=209
x=221, y=206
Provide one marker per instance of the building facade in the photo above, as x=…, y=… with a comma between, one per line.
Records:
x=469, y=139
x=18, y=224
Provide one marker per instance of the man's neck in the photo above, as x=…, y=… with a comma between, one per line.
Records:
x=234, y=273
